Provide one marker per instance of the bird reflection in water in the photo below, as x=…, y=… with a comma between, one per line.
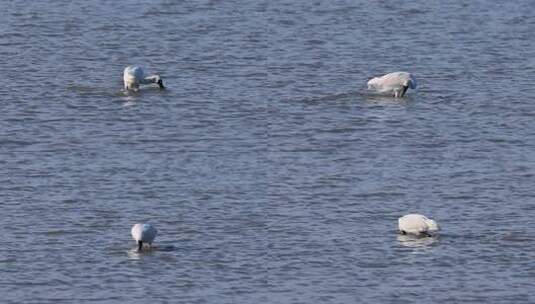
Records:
x=135, y=254
x=414, y=241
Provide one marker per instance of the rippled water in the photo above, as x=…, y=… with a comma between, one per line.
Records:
x=270, y=172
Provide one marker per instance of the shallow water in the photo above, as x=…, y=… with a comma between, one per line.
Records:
x=270, y=172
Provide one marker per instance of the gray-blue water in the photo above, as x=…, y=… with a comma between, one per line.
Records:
x=272, y=175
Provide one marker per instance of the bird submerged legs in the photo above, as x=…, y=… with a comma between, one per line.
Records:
x=400, y=93
x=403, y=91
x=131, y=87
x=139, y=245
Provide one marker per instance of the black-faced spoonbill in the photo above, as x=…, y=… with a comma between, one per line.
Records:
x=143, y=233
x=133, y=76
x=395, y=83
x=417, y=224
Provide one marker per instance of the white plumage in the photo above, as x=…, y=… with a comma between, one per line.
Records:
x=133, y=76
x=417, y=224
x=395, y=83
x=143, y=233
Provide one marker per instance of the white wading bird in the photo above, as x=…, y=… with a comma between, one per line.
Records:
x=143, y=233
x=395, y=83
x=417, y=224
x=133, y=76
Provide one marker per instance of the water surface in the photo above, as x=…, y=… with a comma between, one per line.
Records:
x=270, y=172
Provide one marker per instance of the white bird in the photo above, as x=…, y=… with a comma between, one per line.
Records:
x=133, y=76
x=417, y=224
x=395, y=83
x=143, y=233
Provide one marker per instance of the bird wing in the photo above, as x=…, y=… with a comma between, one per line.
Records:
x=389, y=82
x=133, y=72
x=149, y=233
